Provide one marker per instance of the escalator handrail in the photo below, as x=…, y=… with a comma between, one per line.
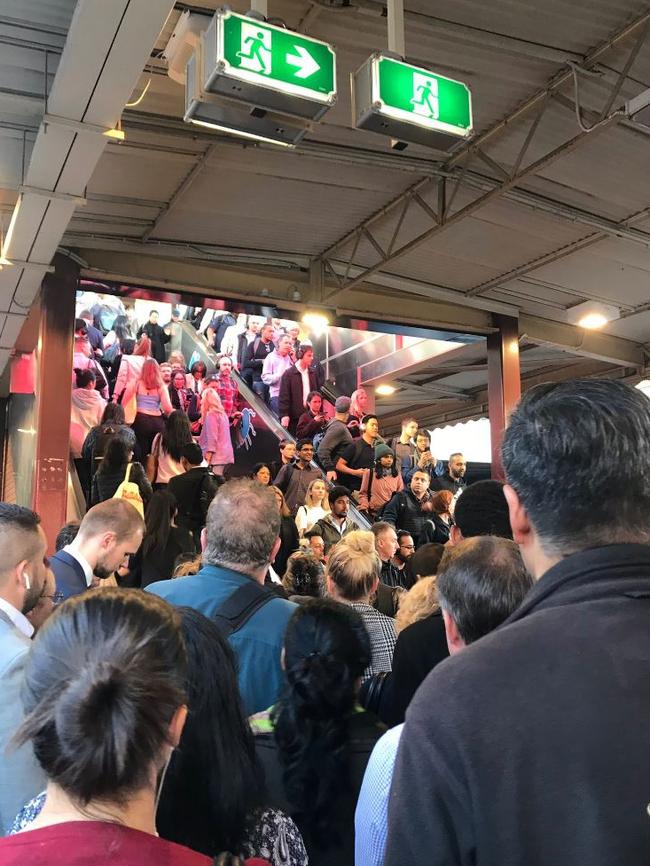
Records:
x=262, y=410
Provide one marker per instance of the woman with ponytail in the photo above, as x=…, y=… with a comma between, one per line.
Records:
x=314, y=744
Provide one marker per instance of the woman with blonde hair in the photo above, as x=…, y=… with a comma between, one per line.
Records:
x=129, y=372
x=352, y=577
x=315, y=507
x=416, y=604
x=215, y=440
x=152, y=402
x=359, y=403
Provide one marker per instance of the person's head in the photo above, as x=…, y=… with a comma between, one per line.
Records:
x=210, y=402
x=225, y=366
x=198, y=370
x=457, y=466
x=87, y=316
x=158, y=519
x=287, y=450
x=420, y=483
x=353, y=567
x=280, y=502
x=305, y=355
x=166, y=372
x=178, y=380
x=45, y=603
x=177, y=361
x=143, y=347
x=191, y=456
x=110, y=532
x=113, y=414
x=409, y=427
x=385, y=459
x=116, y=456
x=385, y=540
x=284, y=345
x=104, y=695
x=317, y=547
x=24, y=569
x=359, y=402
x=340, y=501
x=418, y=603
x=305, y=448
x=66, y=535
x=150, y=376
x=122, y=330
x=153, y=317
x=422, y=441
x=480, y=582
x=326, y=650
x=314, y=402
x=80, y=329
x=577, y=462
x=176, y=435
x=266, y=333
x=405, y=546
x=128, y=346
x=304, y=575
x=441, y=502
x=342, y=408
x=293, y=330
x=242, y=527
x=317, y=494
x=481, y=510
x=425, y=561
x=261, y=473
x=370, y=427
x=86, y=379
x=197, y=808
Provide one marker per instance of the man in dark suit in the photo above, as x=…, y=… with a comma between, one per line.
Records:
x=23, y=573
x=296, y=384
x=193, y=491
x=109, y=533
x=157, y=335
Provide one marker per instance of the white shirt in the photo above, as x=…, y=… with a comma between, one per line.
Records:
x=305, y=383
x=18, y=619
x=83, y=562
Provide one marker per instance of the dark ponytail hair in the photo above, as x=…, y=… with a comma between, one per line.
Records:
x=327, y=648
x=103, y=682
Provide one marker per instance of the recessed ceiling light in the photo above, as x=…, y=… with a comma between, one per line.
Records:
x=592, y=314
x=384, y=390
x=593, y=320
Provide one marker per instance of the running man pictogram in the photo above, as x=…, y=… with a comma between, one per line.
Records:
x=252, y=48
x=425, y=99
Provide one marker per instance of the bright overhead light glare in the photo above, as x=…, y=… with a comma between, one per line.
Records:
x=644, y=385
x=316, y=322
x=385, y=390
x=117, y=134
x=239, y=133
x=6, y=243
x=592, y=314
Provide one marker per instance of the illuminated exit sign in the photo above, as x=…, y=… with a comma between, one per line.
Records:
x=411, y=103
x=268, y=66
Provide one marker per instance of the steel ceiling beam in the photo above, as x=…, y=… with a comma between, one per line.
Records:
x=465, y=155
x=589, y=344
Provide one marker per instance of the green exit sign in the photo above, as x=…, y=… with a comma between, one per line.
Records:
x=411, y=103
x=267, y=66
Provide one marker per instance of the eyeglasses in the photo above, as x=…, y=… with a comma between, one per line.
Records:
x=56, y=599
x=407, y=546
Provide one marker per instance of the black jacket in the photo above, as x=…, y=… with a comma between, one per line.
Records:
x=446, y=482
x=292, y=399
x=435, y=530
x=254, y=357
x=404, y=511
x=308, y=427
x=193, y=412
x=158, y=339
x=194, y=490
x=105, y=485
x=532, y=746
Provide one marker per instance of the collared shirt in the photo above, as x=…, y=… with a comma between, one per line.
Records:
x=83, y=562
x=383, y=637
x=18, y=619
x=371, y=817
x=274, y=367
x=228, y=394
x=305, y=383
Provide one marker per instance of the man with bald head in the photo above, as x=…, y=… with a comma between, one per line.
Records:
x=23, y=571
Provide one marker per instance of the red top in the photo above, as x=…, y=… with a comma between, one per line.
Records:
x=97, y=843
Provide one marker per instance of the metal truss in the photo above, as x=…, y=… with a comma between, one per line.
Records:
x=340, y=265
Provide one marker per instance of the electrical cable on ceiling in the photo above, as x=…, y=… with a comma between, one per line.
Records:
x=575, y=69
x=141, y=97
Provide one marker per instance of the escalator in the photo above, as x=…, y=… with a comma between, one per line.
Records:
x=260, y=431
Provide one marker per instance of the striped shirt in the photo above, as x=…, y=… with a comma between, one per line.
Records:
x=381, y=630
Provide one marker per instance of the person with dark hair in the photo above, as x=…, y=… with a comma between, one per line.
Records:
x=296, y=384
x=576, y=456
x=241, y=541
x=314, y=743
x=481, y=510
x=479, y=584
x=405, y=550
x=22, y=577
x=304, y=577
x=112, y=471
x=438, y=527
x=408, y=509
x=163, y=541
x=113, y=423
x=380, y=483
x=196, y=377
x=261, y=472
x=86, y=410
x=403, y=446
x=454, y=478
x=335, y=525
x=336, y=438
x=359, y=455
x=156, y=334
x=421, y=459
x=294, y=479
x=254, y=358
x=66, y=535
x=193, y=491
x=313, y=420
x=287, y=455
x=167, y=448
x=197, y=808
x=288, y=534
x=95, y=336
x=182, y=398
x=104, y=699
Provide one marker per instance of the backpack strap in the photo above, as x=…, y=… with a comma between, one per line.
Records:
x=128, y=473
x=240, y=607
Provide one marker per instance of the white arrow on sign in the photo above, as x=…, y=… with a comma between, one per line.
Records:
x=304, y=61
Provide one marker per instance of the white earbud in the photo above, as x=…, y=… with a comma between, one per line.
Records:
x=28, y=580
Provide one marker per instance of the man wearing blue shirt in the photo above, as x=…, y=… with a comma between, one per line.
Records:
x=241, y=541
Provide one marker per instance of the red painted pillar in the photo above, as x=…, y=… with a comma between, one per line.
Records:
x=53, y=390
x=504, y=382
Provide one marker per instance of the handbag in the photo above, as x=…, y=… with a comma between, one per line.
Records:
x=130, y=492
x=151, y=463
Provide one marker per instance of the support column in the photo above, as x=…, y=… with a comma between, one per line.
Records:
x=504, y=382
x=53, y=394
